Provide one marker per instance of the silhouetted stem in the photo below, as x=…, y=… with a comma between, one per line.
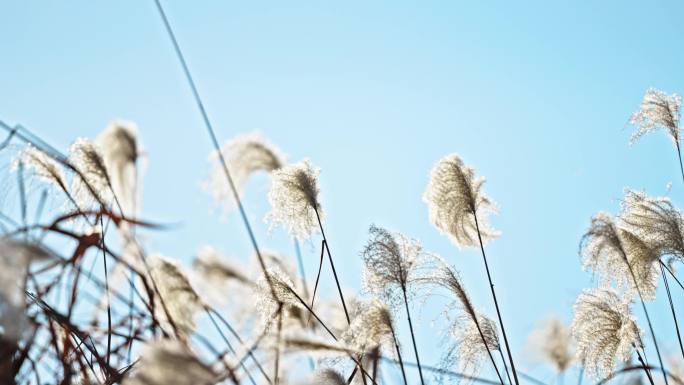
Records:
x=401, y=362
x=648, y=318
x=413, y=338
x=643, y=364
x=496, y=303
x=332, y=265
x=679, y=156
x=508, y=374
x=674, y=316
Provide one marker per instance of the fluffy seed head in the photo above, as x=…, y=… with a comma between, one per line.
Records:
x=179, y=298
x=390, y=264
x=656, y=221
x=371, y=327
x=658, y=111
x=553, y=343
x=282, y=293
x=93, y=185
x=454, y=199
x=294, y=199
x=605, y=331
x=168, y=362
x=43, y=166
x=468, y=348
x=244, y=156
x=606, y=248
x=119, y=147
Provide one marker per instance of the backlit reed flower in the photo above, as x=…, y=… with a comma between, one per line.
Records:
x=294, y=199
x=456, y=203
x=168, y=362
x=44, y=167
x=606, y=249
x=391, y=264
x=553, y=343
x=474, y=335
x=658, y=111
x=180, y=300
x=274, y=290
x=244, y=155
x=92, y=186
x=371, y=327
x=656, y=221
x=118, y=144
x=223, y=283
x=15, y=258
x=468, y=347
x=605, y=331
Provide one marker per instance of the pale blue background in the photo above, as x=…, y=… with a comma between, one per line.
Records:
x=536, y=96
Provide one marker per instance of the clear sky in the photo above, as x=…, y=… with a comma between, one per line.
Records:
x=535, y=96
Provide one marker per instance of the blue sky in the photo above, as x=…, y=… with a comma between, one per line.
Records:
x=535, y=96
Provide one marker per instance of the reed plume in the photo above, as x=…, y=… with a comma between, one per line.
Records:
x=456, y=204
x=120, y=150
x=605, y=331
x=294, y=199
x=467, y=321
x=180, y=304
x=553, y=343
x=391, y=264
x=91, y=185
x=44, y=167
x=617, y=255
x=655, y=220
x=244, y=155
x=659, y=110
x=169, y=362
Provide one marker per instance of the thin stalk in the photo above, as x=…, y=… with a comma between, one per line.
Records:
x=277, y=348
x=401, y=362
x=332, y=265
x=674, y=316
x=496, y=303
x=663, y=265
x=413, y=337
x=648, y=318
x=508, y=374
x=679, y=156
x=643, y=364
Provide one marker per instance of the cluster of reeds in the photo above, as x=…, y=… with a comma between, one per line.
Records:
x=83, y=301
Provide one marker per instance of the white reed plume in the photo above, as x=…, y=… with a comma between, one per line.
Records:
x=472, y=343
x=294, y=199
x=456, y=203
x=120, y=149
x=15, y=258
x=168, y=362
x=93, y=185
x=371, y=327
x=656, y=221
x=179, y=302
x=658, y=111
x=605, y=331
x=44, y=167
x=391, y=267
x=244, y=155
x=552, y=342
x=278, y=283
x=614, y=254
x=215, y=267
x=467, y=318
